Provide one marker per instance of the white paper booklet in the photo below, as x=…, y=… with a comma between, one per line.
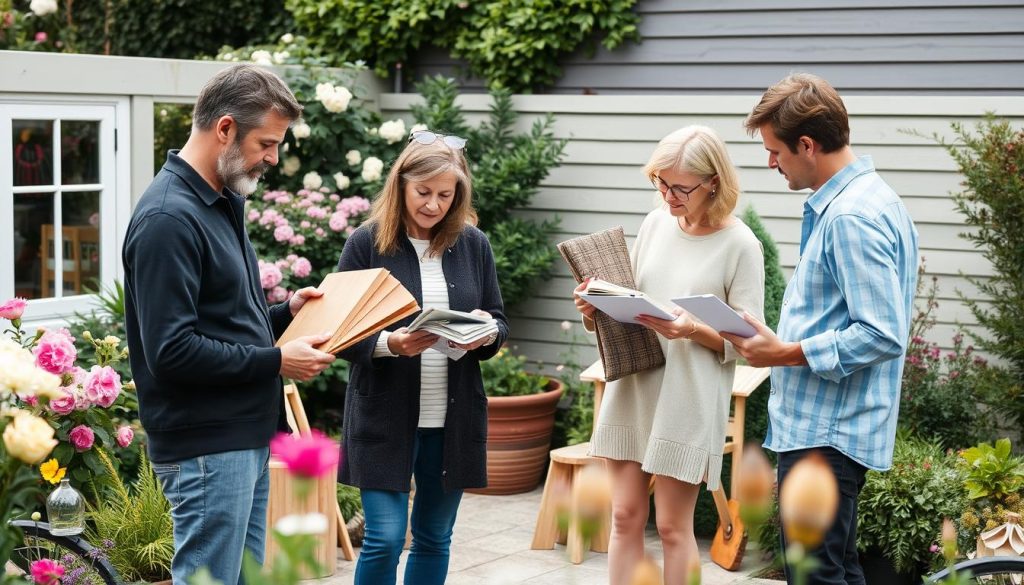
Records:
x=715, y=313
x=624, y=304
x=456, y=326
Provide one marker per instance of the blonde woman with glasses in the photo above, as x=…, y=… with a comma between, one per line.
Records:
x=669, y=423
x=411, y=410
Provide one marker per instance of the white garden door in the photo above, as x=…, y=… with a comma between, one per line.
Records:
x=59, y=205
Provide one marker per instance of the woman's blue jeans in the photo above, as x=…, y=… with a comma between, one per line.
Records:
x=433, y=517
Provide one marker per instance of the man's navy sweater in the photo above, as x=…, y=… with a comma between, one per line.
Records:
x=200, y=335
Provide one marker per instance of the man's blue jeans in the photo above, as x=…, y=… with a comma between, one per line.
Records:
x=219, y=508
x=433, y=517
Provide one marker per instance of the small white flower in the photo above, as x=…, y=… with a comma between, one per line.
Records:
x=312, y=180
x=262, y=57
x=291, y=166
x=292, y=524
x=417, y=128
x=284, y=147
x=372, y=168
x=301, y=129
x=163, y=113
x=287, y=38
x=566, y=325
x=341, y=181
x=227, y=56
x=335, y=98
x=353, y=157
x=43, y=7
x=281, y=56
x=392, y=131
x=371, y=131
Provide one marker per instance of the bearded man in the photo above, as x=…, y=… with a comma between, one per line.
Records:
x=200, y=333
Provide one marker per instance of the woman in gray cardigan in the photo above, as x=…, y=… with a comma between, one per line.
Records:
x=411, y=409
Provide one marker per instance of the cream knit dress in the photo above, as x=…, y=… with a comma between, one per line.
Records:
x=672, y=420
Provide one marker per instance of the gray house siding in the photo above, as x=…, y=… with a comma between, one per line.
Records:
x=958, y=47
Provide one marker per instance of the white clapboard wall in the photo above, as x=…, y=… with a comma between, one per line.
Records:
x=600, y=183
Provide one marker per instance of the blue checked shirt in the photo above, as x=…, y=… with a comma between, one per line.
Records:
x=849, y=305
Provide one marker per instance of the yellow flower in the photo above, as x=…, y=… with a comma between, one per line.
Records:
x=52, y=471
x=28, y=438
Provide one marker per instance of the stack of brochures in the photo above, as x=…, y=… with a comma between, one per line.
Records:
x=624, y=304
x=455, y=326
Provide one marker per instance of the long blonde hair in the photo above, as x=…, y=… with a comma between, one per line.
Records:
x=699, y=151
x=418, y=163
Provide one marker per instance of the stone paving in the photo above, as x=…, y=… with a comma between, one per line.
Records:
x=491, y=546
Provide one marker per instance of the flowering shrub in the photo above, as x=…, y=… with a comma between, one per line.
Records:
x=943, y=393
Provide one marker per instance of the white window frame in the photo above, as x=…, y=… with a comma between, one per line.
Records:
x=113, y=114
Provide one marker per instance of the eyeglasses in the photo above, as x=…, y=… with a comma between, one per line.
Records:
x=427, y=137
x=677, y=190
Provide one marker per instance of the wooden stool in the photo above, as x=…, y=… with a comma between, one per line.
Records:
x=563, y=471
x=323, y=499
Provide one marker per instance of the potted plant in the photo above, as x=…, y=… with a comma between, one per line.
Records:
x=520, y=419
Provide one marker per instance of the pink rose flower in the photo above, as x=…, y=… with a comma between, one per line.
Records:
x=338, y=221
x=301, y=267
x=41, y=37
x=304, y=224
x=298, y=240
x=82, y=438
x=46, y=572
x=124, y=436
x=277, y=294
x=320, y=232
x=335, y=197
x=55, y=352
x=270, y=275
x=283, y=233
x=13, y=309
x=253, y=215
x=64, y=405
x=102, y=386
x=306, y=456
x=32, y=401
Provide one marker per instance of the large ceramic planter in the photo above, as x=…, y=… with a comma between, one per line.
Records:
x=518, y=440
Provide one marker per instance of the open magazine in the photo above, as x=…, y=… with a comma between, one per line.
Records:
x=624, y=304
x=455, y=326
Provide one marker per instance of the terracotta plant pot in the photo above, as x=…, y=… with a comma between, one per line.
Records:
x=518, y=439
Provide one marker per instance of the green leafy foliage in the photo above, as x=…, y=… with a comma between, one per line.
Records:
x=137, y=520
x=505, y=375
x=992, y=471
x=507, y=170
x=991, y=160
x=513, y=44
x=900, y=512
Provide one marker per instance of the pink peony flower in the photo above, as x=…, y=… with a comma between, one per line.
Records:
x=270, y=275
x=338, y=221
x=102, y=386
x=320, y=232
x=335, y=197
x=297, y=240
x=124, y=436
x=64, y=405
x=12, y=309
x=81, y=438
x=41, y=37
x=277, y=294
x=307, y=456
x=55, y=352
x=46, y=572
x=304, y=224
x=301, y=267
x=253, y=215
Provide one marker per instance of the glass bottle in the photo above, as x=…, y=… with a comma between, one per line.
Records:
x=65, y=509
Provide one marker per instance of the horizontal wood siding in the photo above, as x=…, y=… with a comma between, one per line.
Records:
x=742, y=46
x=610, y=137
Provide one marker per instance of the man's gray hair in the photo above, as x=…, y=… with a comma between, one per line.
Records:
x=246, y=93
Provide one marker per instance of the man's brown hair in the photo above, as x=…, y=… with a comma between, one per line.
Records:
x=802, y=105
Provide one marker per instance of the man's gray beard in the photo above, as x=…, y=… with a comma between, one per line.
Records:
x=232, y=172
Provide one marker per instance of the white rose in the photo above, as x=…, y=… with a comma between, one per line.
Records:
x=29, y=438
x=287, y=38
x=392, y=131
x=291, y=166
x=281, y=56
x=335, y=99
x=417, y=128
x=261, y=57
x=372, y=168
x=301, y=129
x=353, y=157
x=312, y=180
x=43, y=7
x=324, y=91
x=19, y=374
x=341, y=181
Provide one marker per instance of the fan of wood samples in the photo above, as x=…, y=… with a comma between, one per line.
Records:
x=355, y=305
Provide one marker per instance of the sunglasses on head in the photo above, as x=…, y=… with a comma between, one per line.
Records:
x=427, y=137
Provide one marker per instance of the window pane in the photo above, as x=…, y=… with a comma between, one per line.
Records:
x=81, y=217
x=33, y=214
x=79, y=152
x=33, y=152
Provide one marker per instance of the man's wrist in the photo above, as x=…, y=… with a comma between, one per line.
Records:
x=793, y=354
